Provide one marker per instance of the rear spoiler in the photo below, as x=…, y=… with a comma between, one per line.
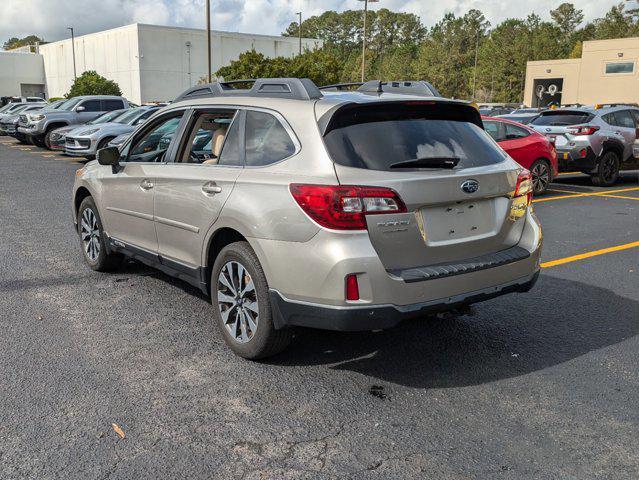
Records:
x=352, y=113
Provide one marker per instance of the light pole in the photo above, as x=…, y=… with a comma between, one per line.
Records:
x=73, y=50
x=208, y=39
x=299, y=30
x=364, y=35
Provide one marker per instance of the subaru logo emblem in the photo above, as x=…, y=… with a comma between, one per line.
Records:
x=470, y=186
x=548, y=129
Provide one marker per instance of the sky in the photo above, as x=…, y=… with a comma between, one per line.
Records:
x=49, y=18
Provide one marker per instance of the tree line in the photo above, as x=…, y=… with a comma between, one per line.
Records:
x=463, y=56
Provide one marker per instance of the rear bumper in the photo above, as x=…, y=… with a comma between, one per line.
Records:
x=574, y=160
x=380, y=317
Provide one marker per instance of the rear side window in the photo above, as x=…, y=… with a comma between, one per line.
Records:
x=92, y=106
x=624, y=119
x=513, y=132
x=561, y=118
x=387, y=137
x=267, y=141
x=112, y=105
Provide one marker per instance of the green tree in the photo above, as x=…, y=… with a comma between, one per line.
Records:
x=321, y=66
x=617, y=23
x=567, y=17
x=90, y=83
x=15, y=42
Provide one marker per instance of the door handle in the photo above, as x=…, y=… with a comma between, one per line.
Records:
x=211, y=188
x=146, y=184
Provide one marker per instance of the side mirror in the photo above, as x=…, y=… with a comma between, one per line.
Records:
x=109, y=156
x=80, y=109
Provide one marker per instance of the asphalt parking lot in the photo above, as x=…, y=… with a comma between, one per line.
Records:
x=538, y=385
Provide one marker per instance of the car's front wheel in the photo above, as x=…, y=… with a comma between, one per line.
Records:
x=94, y=248
x=241, y=306
x=607, y=171
x=541, y=176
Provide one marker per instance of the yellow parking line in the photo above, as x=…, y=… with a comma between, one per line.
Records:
x=562, y=191
x=621, y=196
x=568, y=173
x=582, y=256
x=593, y=194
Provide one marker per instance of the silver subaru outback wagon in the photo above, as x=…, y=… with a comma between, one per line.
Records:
x=294, y=207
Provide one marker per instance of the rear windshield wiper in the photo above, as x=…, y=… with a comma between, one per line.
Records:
x=428, y=162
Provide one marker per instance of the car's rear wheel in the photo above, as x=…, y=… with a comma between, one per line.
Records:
x=241, y=306
x=607, y=172
x=94, y=248
x=541, y=176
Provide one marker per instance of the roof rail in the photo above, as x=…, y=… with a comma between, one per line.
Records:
x=292, y=88
x=610, y=105
x=341, y=86
x=407, y=87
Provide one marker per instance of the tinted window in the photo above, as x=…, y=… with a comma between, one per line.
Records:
x=514, y=132
x=106, y=117
x=92, y=106
x=377, y=137
x=153, y=144
x=231, y=149
x=635, y=115
x=620, y=67
x=267, y=141
x=494, y=129
x=561, y=118
x=624, y=119
x=112, y=105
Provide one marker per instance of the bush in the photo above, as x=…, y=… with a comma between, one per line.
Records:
x=55, y=99
x=90, y=83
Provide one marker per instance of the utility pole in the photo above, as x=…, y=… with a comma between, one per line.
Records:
x=208, y=40
x=364, y=36
x=299, y=30
x=73, y=50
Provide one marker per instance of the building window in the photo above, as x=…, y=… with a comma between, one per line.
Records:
x=620, y=67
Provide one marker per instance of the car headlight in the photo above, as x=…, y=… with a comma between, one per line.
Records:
x=37, y=117
x=89, y=132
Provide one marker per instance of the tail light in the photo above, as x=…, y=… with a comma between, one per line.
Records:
x=522, y=197
x=524, y=186
x=583, y=130
x=352, y=288
x=344, y=207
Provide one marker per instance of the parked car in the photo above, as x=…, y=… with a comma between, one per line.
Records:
x=345, y=211
x=595, y=140
x=522, y=115
x=11, y=108
x=86, y=141
x=9, y=121
x=494, y=111
x=6, y=100
x=529, y=148
x=119, y=140
x=76, y=110
x=22, y=121
x=58, y=136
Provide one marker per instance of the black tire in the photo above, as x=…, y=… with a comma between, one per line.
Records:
x=265, y=340
x=38, y=141
x=542, y=176
x=607, y=172
x=47, y=139
x=103, y=261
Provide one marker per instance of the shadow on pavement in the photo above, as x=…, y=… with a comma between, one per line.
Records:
x=509, y=336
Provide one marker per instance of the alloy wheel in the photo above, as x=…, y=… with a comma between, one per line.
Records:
x=608, y=168
x=237, y=300
x=90, y=234
x=541, y=177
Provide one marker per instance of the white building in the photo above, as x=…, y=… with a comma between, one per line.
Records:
x=148, y=62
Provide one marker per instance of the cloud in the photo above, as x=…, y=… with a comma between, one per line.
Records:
x=49, y=18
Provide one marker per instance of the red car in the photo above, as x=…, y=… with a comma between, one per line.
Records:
x=530, y=149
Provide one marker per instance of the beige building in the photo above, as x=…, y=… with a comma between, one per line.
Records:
x=607, y=72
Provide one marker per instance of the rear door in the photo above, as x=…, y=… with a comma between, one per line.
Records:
x=378, y=144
